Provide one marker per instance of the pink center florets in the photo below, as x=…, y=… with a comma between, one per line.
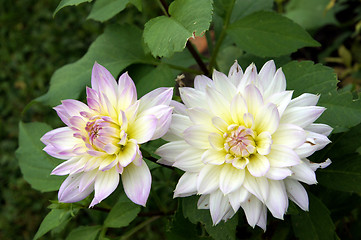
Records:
x=240, y=142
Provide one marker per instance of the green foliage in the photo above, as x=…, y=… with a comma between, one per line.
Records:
x=315, y=224
x=166, y=35
x=84, y=233
x=268, y=34
x=104, y=10
x=116, y=48
x=35, y=164
x=66, y=3
x=318, y=79
x=122, y=213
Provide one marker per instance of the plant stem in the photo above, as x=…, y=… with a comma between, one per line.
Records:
x=138, y=227
x=221, y=37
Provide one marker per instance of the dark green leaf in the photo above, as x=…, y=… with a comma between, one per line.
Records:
x=306, y=77
x=269, y=34
x=66, y=3
x=123, y=212
x=115, y=49
x=223, y=230
x=84, y=233
x=166, y=35
x=243, y=8
x=315, y=224
x=35, y=164
x=181, y=228
x=104, y=10
x=54, y=218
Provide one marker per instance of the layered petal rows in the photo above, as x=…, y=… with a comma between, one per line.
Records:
x=101, y=140
x=243, y=142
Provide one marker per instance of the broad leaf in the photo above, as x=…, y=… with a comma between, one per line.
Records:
x=310, y=14
x=84, y=233
x=104, y=10
x=166, y=35
x=66, y=3
x=267, y=34
x=181, y=228
x=123, y=212
x=306, y=77
x=35, y=164
x=315, y=224
x=223, y=230
x=54, y=218
x=115, y=49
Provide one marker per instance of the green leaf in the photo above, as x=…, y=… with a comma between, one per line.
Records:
x=343, y=175
x=54, y=218
x=161, y=76
x=104, y=10
x=181, y=228
x=243, y=8
x=115, y=49
x=66, y=3
x=315, y=224
x=123, y=212
x=268, y=34
x=166, y=35
x=84, y=233
x=306, y=77
x=223, y=230
x=35, y=164
x=137, y=4
x=310, y=14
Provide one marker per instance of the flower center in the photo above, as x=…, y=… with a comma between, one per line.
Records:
x=240, y=141
x=104, y=133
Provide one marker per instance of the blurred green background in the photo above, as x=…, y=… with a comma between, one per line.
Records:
x=33, y=45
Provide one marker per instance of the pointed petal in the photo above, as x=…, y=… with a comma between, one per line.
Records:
x=258, y=165
x=193, y=98
x=266, y=74
x=142, y=129
x=277, y=201
x=69, y=189
x=218, y=104
x=235, y=74
x=254, y=99
x=281, y=100
x=305, y=99
x=208, y=179
x=201, y=82
x=302, y=172
x=187, y=185
x=218, y=205
x=159, y=96
x=203, y=202
x=179, y=124
x=289, y=135
x=136, y=182
x=267, y=119
x=278, y=173
x=190, y=160
x=319, y=128
x=238, y=109
x=297, y=193
x=65, y=167
x=105, y=183
x=231, y=178
x=127, y=93
x=103, y=82
x=282, y=156
x=170, y=151
x=237, y=197
x=302, y=116
x=258, y=186
x=223, y=85
x=278, y=83
x=252, y=208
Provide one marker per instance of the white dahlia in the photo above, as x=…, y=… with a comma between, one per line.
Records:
x=101, y=140
x=243, y=142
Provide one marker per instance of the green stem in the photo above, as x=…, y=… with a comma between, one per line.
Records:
x=103, y=232
x=163, y=5
x=221, y=37
x=138, y=227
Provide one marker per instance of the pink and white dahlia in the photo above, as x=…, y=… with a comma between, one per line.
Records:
x=243, y=142
x=102, y=139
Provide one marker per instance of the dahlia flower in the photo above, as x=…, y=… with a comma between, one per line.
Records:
x=243, y=142
x=101, y=140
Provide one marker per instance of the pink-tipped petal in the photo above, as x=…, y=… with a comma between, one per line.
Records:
x=105, y=183
x=219, y=206
x=159, y=96
x=69, y=190
x=201, y=82
x=187, y=185
x=103, y=82
x=136, y=182
x=127, y=93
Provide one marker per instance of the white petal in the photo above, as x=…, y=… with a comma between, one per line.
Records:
x=103, y=81
x=127, y=154
x=171, y=150
x=87, y=180
x=302, y=116
x=266, y=74
x=302, y=172
x=277, y=201
x=127, y=93
x=193, y=98
x=289, y=135
x=278, y=83
x=281, y=100
x=218, y=104
x=322, y=165
x=142, y=129
x=208, y=179
x=136, y=182
x=159, y=96
x=214, y=157
x=250, y=76
x=297, y=193
x=238, y=109
x=201, y=82
x=231, y=178
x=187, y=185
x=306, y=99
x=254, y=99
x=220, y=124
x=201, y=116
x=178, y=125
x=258, y=186
x=252, y=208
x=235, y=74
x=237, y=197
x=218, y=205
x=319, y=128
x=264, y=142
x=190, y=160
x=262, y=221
x=278, y=173
x=258, y=165
x=203, y=202
x=179, y=108
x=197, y=136
x=69, y=189
x=223, y=85
x=105, y=183
x=282, y=156
x=65, y=167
